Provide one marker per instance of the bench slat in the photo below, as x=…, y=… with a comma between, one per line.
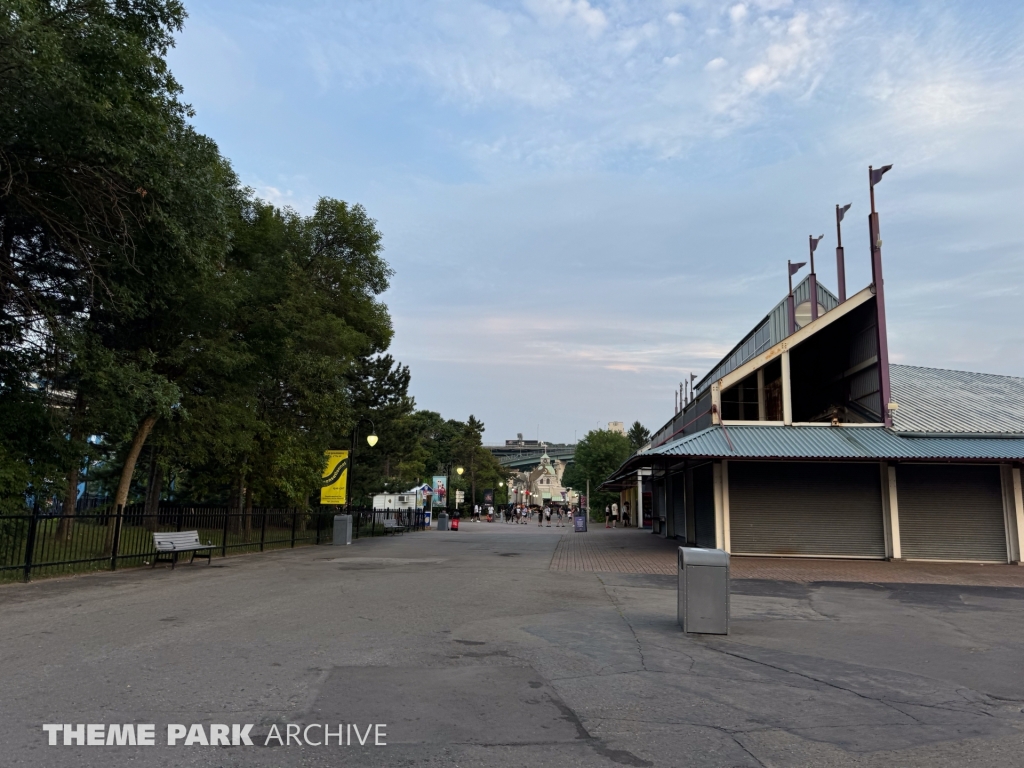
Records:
x=178, y=541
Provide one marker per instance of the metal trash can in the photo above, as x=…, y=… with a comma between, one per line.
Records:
x=442, y=521
x=703, y=591
x=342, y=529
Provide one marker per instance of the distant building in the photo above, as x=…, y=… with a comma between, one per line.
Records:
x=617, y=426
x=542, y=484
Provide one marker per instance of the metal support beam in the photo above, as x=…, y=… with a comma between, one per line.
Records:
x=1014, y=502
x=787, y=390
x=721, y=499
x=762, y=414
x=726, y=520
x=891, y=513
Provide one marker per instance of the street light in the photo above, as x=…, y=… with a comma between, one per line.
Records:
x=372, y=440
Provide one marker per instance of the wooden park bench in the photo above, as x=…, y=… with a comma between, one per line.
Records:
x=168, y=545
x=394, y=526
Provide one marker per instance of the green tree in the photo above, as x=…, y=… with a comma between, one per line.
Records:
x=597, y=456
x=638, y=436
x=90, y=131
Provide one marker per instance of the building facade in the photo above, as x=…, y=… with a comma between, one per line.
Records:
x=542, y=484
x=805, y=442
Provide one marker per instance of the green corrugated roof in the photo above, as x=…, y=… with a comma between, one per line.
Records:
x=825, y=442
x=938, y=400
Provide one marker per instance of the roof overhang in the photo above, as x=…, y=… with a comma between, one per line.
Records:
x=802, y=334
x=813, y=442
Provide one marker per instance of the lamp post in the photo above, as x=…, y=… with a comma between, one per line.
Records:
x=371, y=440
x=442, y=517
x=458, y=471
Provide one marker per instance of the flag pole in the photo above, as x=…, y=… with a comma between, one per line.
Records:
x=813, y=280
x=791, y=310
x=840, y=257
x=878, y=284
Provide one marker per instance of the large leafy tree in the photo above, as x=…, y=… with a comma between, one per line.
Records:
x=597, y=456
x=289, y=359
x=638, y=436
x=108, y=201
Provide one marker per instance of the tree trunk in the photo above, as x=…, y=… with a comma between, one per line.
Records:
x=125, y=483
x=156, y=481
x=71, y=495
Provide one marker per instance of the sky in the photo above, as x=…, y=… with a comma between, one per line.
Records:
x=586, y=200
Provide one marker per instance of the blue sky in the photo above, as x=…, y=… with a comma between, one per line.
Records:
x=586, y=200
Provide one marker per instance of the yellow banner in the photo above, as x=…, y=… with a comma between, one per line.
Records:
x=335, y=478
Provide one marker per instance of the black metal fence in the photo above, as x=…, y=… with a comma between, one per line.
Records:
x=44, y=544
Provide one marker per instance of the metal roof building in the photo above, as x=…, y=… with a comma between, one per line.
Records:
x=805, y=441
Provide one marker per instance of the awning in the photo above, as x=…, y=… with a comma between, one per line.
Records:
x=814, y=443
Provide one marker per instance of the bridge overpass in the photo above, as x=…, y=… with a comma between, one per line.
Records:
x=527, y=458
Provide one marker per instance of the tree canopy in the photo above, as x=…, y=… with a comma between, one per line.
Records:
x=638, y=436
x=162, y=329
x=598, y=455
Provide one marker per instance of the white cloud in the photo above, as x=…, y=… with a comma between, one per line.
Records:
x=588, y=144
x=738, y=13
x=580, y=11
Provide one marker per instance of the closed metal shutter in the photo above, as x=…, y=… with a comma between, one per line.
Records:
x=806, y=508
x=704, y=505
x=678, y=503
x=951, y=512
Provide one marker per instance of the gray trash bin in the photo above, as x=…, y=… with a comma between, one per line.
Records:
x=704, y=590
x=442, y=521
x=343, y=529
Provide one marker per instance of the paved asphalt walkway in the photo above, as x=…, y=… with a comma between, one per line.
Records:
x=475, y=652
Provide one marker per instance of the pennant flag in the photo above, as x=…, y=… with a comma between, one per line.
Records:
x=794, y=268
x=878, y=173
x=841, y=211
x=815, y=241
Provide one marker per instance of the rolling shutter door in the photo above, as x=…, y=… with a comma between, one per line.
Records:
x=951, y=512
x=806, y=509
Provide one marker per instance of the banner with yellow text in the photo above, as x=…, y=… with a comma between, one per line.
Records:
x=335, y=478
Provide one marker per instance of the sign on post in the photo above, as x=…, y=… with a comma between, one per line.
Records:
x=440, y=498
x=333, y=485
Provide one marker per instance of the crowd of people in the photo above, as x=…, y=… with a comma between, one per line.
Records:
x=612, y=515
x=549, y=515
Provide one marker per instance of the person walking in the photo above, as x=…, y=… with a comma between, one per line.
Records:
x=547, y=516
x=615, y=514
x=607, y=516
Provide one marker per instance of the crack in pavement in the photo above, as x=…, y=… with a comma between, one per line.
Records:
x=636, y=638
x=886, y=702
x=730, y=732
x=621, y=756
